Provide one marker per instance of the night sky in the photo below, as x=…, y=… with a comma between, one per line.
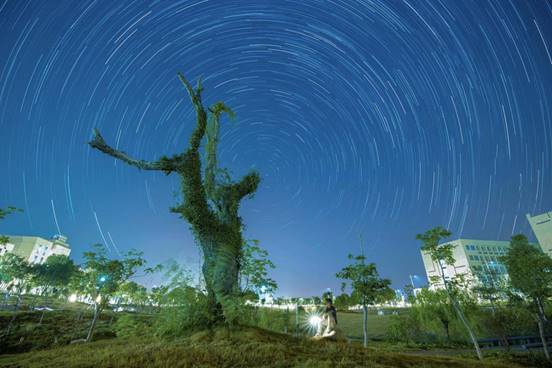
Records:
x=384, y=118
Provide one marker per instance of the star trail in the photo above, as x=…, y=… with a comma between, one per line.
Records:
x=380, y=118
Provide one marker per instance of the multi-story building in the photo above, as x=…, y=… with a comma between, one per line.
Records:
x=35, y=249
x=542, y=227
x=476, y=260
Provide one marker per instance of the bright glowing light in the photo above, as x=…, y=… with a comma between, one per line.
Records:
x=99, y=299
x=72, y=298
x=102, y=279
x=315, y=320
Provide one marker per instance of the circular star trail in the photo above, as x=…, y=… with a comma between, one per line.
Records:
x=380, y=118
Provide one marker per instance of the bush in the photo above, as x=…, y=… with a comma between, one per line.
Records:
x=188, y=313
x=273, y=319
x=129, y=325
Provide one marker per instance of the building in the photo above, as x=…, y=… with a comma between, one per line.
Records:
x=35, y=249
x=542, y=227
x=476, y=260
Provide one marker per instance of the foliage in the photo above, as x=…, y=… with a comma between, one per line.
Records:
x=102, y=276
x=530, y=273
x=430, y=244
x=367, y=287
x=132, y=326
x=210, y=201
x=529, y=269
x=254, y=268
x=132, y=293
x=343, y=301
x=443, y=254
x=408, y=327
x=15, y=271
x=55, y=274
x=189, y=313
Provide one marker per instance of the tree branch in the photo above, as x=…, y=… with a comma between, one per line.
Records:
x=213, y=129
x=195, y=96
x=247, y=185
x=164, y=164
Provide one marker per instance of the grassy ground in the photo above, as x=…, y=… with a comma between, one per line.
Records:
x=351, y=325
x=58, y=328
x=47, y=344
x=249, y=347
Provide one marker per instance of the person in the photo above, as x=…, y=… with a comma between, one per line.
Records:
x=329, y=320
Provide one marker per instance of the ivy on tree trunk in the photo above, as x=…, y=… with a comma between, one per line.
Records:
x=210, y=199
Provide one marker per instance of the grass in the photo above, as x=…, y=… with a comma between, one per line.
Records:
x=248, y=347
x=36, y=345
x=351, y=325
x=58, y=328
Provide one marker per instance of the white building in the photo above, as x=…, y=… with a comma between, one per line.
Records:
x=35, y=249
x=476, y=260
x=542, y=227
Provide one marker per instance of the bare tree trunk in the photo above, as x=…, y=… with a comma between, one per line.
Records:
x=541, y=319
x=447, y=330
x=460, y=314
x=94, y=321
x=365, y=325
x=14, y=316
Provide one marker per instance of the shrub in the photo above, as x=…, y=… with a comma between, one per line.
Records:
x=188, y=312
x=129, y=325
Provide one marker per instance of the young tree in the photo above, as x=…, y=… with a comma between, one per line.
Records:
x=530, y=273
x=53, y=276
x=343, y=301
x=254, y=268
x=211, y=199
x=435, y=305
x=16, y=273
x=367, y=287
x=441, y=254
x=102, y=278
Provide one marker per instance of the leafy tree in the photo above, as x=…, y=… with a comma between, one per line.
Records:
x=132, y=293
x=530, y=273
x=254, y=268
x=102, y=277
x=343, y=301
x=327, y=295
x=16, y=273
x=53, y=276
x=435, y=305
x=158, y=296
x=211, y=199
x=367, y=287
x=493, y=288
x=442, y=255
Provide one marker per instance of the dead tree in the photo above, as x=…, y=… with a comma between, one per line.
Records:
x=210, y=199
